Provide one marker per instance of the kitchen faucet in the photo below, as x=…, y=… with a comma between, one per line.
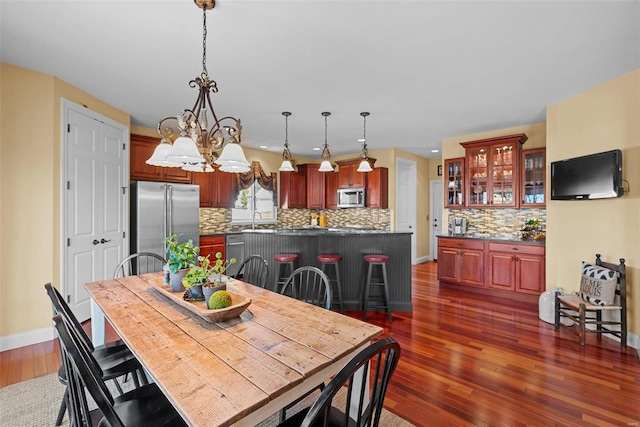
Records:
x=253, y=219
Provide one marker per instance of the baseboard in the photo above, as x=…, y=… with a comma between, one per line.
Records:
x=10, y=342
x=423, y=259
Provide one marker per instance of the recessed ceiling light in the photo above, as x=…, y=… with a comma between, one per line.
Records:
x=316, y=148
x=435, y=151
x=263, y=146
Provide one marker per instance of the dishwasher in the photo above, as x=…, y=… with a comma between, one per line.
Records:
x=234, y=249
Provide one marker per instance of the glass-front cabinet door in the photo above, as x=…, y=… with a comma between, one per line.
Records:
x=454, y=181
x=493, y=171
x=533, y=178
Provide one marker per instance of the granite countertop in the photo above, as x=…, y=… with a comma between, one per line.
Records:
x=500, y=237
x=318, y=231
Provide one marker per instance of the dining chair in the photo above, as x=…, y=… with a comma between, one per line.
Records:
x=115, y=359
x=254, y=270
x=364, y=399
x=146, y=405
x=309, y=284
x=139, y=263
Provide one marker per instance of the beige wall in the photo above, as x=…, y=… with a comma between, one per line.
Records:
x=30, y=192
x=604, y=118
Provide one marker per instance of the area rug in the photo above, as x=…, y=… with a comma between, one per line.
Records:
x=35, y=403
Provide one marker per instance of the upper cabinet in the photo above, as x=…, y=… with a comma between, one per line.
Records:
x=533, y=178
x=217, y=189
x=454, y=181
x=331, y=190
x=377, y=193
x=492, y=171
x=315, y=186
x=348, y=175
x=293, y=189
x=142, y=148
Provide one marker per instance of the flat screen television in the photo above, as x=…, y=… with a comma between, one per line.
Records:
x=596, y=176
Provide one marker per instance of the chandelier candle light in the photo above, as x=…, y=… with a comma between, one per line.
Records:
x=196, y=148
x=365, y=166
x=286, y=154
x=325, y=166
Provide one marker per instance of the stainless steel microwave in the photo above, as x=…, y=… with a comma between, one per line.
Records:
x=351, y=197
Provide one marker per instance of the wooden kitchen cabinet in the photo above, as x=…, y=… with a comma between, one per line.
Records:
x=516, y=267
x=455, y=183
x=331, y=190
x=492, y=173
x=377, y=193
x=210, y=245
x=315, y=186
x=461, y=261
x=217, y=189
x=293, y=189
x=348, y=175
x=532, y=179
x=142, y=148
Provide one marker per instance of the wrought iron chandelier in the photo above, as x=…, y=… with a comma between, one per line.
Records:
x=198, y=146
x=365, y=166
x=325, y=166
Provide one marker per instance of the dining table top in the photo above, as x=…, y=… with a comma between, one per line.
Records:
x=236, y=372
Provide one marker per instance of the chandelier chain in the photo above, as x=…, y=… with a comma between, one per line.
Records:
x=204, y=41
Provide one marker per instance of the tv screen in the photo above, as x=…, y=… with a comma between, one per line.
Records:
x=596, y=176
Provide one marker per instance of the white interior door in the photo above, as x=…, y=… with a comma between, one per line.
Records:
x=94, y=204
x=435, y=213
x=406, y=200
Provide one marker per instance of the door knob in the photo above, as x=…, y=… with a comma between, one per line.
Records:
x=105, y=241
x=95, y=241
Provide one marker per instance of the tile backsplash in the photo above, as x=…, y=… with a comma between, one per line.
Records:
x=498, y=221
x=218, y=220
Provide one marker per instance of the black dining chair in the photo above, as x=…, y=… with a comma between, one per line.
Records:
x=144, y=406
x=254, y=270
x=139, y=263
x=309, y=284
x=366, y=400
x=115, y=359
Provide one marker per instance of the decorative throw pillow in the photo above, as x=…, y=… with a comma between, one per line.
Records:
x=598, y=285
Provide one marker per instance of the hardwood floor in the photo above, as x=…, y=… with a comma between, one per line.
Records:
x=470, y=360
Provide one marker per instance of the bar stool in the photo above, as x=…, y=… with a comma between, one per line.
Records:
x=286, y=265
x=333, y=260
x=372, y=261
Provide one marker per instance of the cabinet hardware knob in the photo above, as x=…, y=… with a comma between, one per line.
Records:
x=95, y=241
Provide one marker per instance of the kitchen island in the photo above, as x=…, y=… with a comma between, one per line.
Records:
x=352, y=244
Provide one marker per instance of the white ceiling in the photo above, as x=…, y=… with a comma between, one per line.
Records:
x=425, y=70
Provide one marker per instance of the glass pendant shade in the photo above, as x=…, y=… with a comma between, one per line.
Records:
x=232, y=157
x=184, y=150
x=159, y=156
x=325, y=166
x=286, y=166
x=365, y=166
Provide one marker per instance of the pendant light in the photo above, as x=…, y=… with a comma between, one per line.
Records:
x=286, y=154
x=325, y=166
x=365, y=166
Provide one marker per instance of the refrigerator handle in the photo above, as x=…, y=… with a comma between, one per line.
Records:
x=164, y=220
x=169, y=207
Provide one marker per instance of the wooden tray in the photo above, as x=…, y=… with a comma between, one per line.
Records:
x=239, y=304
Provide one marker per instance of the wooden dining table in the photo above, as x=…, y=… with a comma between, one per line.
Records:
x=236, y=372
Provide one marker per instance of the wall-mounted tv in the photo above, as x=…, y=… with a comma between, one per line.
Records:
x=596, y=176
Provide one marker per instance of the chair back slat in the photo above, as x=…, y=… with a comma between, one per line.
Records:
x=254, y=270
x=381, y=358
x=139, y=263
x=61, y=307
x=83, y=372
x=309, y=284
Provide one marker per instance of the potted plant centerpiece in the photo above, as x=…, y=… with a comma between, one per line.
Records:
x=180, y=256
x=218, y=280
x=198, y=275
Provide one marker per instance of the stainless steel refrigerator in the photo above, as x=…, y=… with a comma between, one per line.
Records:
x=160, y=209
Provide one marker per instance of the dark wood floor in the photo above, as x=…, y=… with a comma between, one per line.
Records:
x=469, y=360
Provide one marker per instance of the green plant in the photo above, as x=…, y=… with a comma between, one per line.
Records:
x=220, y=266
x=198, y=273
x=180, y=255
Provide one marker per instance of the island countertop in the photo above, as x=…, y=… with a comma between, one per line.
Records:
x=352, y=244
x=500, y=238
